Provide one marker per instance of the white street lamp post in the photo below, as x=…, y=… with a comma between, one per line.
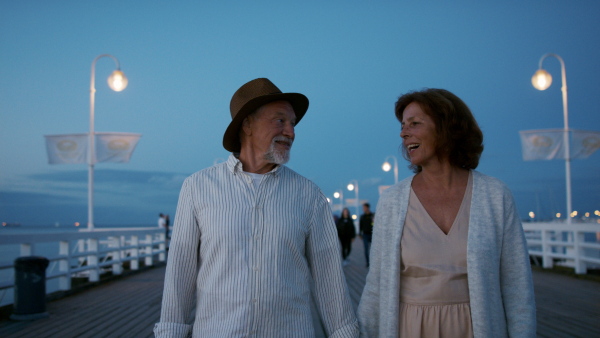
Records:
x=386, y=167
x=340, y=195
x=542, y=80
x=353, y=186
x=117, y=82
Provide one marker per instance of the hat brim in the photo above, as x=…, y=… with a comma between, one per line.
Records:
x=231, y=138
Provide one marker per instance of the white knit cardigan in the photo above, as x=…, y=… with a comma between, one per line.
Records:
x=499, y=274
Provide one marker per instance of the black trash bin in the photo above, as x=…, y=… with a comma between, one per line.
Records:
x=30, y=288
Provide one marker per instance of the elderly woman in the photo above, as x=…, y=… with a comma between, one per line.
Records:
x=449, y=257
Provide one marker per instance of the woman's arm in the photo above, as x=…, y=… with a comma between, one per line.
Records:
x=515, y=275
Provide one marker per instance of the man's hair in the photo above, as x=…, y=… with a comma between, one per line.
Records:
x=458, y=134
x=251, y=115
x=367, y=205
x=247, y=118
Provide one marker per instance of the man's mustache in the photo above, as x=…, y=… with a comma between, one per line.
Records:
x=287, y=140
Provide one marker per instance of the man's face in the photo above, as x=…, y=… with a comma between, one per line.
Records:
x=273, y=131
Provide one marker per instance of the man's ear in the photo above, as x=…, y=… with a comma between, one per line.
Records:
x=246, y=126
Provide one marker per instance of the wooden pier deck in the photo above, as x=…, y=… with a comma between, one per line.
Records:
x=129, y=306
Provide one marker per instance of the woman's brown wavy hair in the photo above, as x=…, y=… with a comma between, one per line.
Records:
x=458, y=134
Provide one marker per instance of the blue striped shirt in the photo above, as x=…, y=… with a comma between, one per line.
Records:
x=246, y=258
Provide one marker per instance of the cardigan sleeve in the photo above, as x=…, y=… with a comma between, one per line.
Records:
x=379, y=303
x=515, y=275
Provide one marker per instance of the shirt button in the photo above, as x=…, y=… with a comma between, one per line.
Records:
x=254, y=301
x=255, y=268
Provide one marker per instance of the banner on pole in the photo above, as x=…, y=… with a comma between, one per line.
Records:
x=548, y=144
x=67, y=148
x=73, y=148
x=115, y=147
x=584, y=143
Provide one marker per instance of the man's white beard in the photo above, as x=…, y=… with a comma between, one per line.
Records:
x=277, y=156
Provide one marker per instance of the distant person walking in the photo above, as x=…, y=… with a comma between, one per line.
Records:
x=346, y=234
x=161, y=221
x=366, y=229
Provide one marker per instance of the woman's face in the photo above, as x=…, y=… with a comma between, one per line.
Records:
x=418, y=135
x=345, y=213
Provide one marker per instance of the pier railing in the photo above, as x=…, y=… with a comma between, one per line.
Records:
x=575, y=245
x=87, y=254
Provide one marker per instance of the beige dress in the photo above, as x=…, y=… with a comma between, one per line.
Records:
x=434, y=292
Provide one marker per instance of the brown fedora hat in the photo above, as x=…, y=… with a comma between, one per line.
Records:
x=250, y=97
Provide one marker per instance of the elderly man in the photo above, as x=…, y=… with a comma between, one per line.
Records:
x=251, y=235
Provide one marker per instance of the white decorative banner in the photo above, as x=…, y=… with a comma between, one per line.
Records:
x=548, y=144
x=68, y=148
x=115, y=147
x=73, y=148
x=584, y=143
x=542, y=144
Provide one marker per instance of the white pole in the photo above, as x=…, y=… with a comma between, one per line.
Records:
x=395, y=170
x=566, y=136
x=357, y=222
x=92, y=147
x=91, y=150
x=356, y=202
x=395, y=166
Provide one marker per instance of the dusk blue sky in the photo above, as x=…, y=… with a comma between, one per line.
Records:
x=352, y=59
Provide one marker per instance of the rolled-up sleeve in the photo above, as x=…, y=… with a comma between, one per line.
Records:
x=331, y=291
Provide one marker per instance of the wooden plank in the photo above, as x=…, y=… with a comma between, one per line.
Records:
x=356, y=272
x=94, y=309
x=130, y=306
x=144, y=328
x=566, y=306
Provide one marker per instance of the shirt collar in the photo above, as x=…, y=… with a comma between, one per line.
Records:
x=235, y=165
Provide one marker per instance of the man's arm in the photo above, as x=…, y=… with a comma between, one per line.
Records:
x=179, y=294
x=331, y=291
